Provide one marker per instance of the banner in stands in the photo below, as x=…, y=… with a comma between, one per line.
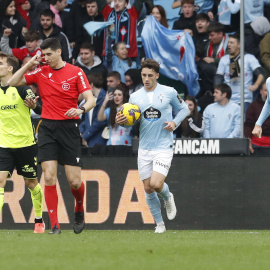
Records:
x=211, y=192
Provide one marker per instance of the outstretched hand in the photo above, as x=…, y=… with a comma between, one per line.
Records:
x=31, y=103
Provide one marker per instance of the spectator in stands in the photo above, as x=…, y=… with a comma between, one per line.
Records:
x=113, y=80
x=10, y=19
x=217, y=45
x=227, y=13
x=223, y=118
x=91, y=129
x=253, y=10
x=125, y=22
x=193, y=125
x=77, y=14
x=118, y=135
x=229, y=72
x=206, y=74
x=31, y=48
x=89, y=62
x=61, y=16
x=261, y=27
x=81, y=34
x=48, y=29
x=201, y=6
x=160, y=14
x=253, y=113
x=133, y=80
x=201, y=36
x=187, y=18
x=117, y=59
x=24, y=7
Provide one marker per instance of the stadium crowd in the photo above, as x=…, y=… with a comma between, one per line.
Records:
x=109, y=40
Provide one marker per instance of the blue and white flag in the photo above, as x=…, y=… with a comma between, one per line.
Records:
x=175, y=52
x=92, y=27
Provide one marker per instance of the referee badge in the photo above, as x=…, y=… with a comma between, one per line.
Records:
x=66, y=86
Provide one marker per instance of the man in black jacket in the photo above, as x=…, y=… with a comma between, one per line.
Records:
x=81, y=34
x=48, y=29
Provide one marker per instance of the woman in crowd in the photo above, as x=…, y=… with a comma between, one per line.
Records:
x=160, y=14
x=193, y=125
x=118, y=135
x=133, y=79
x=13, y=23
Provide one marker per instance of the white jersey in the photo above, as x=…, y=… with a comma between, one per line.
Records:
x=158, y=106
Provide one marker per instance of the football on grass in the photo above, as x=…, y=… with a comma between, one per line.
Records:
x=132, y=112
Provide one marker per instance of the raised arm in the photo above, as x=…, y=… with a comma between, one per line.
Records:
x=18, y=78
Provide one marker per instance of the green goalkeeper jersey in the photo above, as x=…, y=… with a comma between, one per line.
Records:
x=16, y=129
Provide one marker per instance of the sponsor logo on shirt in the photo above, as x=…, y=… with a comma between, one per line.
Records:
x=9, y=107
x=30, y=93
x=66, y=86
x=152, y=114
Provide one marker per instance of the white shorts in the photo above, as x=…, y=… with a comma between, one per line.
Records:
x=154, y=160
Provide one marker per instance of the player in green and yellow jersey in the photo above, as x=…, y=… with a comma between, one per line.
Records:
x=17, y=143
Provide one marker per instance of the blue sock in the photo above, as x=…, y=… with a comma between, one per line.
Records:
x=165, y=192
x=154, y=206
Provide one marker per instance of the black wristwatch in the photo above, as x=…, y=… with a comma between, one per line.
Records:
x=82, y=108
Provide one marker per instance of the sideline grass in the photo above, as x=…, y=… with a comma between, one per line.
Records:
x=207, y=250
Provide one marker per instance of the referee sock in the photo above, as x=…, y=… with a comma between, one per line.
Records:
x=51, y=199
x=37, y=197
x=78, y=195
x=1, y=198
x=154, y=206
x=165, y=192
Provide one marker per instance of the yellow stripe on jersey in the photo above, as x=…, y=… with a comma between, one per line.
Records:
x=16, y=128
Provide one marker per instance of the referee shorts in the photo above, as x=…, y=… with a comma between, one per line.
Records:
x=59, y=140
x=154, y=160
x=23, y=159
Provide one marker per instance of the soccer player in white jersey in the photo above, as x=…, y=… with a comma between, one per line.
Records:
x=158, y=104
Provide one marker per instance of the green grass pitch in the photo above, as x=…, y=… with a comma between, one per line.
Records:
x=207, y=250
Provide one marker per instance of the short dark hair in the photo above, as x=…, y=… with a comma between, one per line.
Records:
x=90, y=1
x=202, y=16
x=32, y=35
x=96, y=80
x=224, y=88
x=11, y=61
x=87, y=45
x=47, y=13
x=191, y=2
x=114, y=74
x=53, y=2
x=235, y=36
x=216, y=27
x=51, y=43
x=151, y=64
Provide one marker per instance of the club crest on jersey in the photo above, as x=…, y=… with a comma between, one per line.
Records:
x=161, y=97
x=50, y=75
x=66, y=86
x=13, y=96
